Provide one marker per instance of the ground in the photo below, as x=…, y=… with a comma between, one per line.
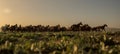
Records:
x=60, y=42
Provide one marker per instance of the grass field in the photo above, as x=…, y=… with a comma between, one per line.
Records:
x=60, y=43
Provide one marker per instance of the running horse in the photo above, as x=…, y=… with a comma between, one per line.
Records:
x=100, y=28
x=76, y=27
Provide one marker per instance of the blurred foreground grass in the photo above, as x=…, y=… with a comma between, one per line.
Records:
x=60, y=43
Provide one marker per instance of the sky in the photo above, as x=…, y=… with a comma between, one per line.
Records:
x=63, y=12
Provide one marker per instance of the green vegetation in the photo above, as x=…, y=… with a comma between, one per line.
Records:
x=59, y=43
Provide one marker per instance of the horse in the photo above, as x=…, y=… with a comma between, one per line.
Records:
x=85, y=27
x=76, y=27
x=100, y=28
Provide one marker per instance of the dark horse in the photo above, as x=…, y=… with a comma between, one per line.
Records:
x=85, y=27
x=76, y=27
x=99, y=28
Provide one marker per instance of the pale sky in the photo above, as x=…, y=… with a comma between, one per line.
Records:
x=64, y=12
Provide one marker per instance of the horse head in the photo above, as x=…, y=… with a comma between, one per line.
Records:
x=80, y=23
x=105, y=25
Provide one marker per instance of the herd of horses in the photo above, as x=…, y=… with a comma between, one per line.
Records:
x=56, y=28
x=86, y=27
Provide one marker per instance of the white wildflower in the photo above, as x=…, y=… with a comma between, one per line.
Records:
x=102, y=46
x=75, y=49
x=110, y=51
x=32, y=47
x=104, y=38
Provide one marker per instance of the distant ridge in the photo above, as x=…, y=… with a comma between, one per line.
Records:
x=113, y=29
